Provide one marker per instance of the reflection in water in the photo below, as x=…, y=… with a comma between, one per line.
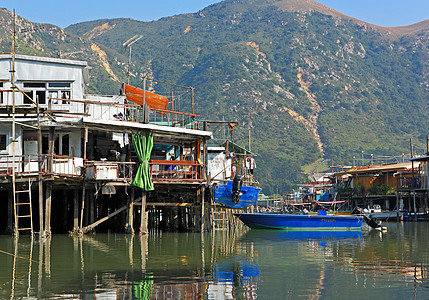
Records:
x=219, y=265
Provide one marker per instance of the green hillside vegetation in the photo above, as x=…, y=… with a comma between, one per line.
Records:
x=301, y=81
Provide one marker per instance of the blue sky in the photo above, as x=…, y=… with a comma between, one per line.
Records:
x=64, y=13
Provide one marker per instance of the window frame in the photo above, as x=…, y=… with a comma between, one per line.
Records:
x=5, y=150
x=34, y=89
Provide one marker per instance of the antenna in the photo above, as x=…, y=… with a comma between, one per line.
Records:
x=129, y=43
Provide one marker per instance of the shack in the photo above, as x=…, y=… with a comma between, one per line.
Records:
x=70, y=161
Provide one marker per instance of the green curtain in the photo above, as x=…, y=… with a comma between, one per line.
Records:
x=143, y=144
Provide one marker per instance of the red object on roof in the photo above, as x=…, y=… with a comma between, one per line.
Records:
x=154, y=101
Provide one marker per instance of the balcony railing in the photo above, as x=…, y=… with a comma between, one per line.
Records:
x=173, y=170
x=51, y=164
x=160, y=170
x=408, y=183
x=115, y=110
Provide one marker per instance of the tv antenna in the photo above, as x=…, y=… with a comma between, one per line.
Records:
x=128, y=44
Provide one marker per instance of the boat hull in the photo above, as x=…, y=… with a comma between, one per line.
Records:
x=223, y=195
x=300, y=222
x=386, y=216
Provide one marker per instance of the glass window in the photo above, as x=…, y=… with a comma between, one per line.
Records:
x=65, y=145
x=34, y=85
x=59, y=84
x=28, y=95
x=41, y=97
x=1, y=92
x=3, y=141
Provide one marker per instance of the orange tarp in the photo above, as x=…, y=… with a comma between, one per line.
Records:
x=154, y=101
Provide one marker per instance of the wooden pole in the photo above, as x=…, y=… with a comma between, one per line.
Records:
x=172, y=110
x=92, y=200
x=129, y=225
x=83, y=204
x=51, y=142
x=427, y=144
x=10, y=207
x=85, y=142
x=40, y=168
x=192, y=99
x=65, y=201
x=202, y=209
x=143, y=215
x=76, y=210
x=48, y=203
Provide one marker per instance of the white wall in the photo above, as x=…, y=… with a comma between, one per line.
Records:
x=41, y=69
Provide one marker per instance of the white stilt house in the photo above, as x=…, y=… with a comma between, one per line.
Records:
x=51, y=131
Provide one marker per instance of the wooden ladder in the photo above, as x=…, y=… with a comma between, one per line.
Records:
x=23, y=209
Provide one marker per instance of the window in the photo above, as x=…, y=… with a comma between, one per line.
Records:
x=28, y=95
x=59, y=85
x=59, y=90
x=41, y=97
x=41, y=91
x=65, y=145
x=1, y=92
x=3, y=139
x=35, y=85
x=61, y=144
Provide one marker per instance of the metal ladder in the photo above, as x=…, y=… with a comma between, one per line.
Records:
x=23, y=210
x=220, y=220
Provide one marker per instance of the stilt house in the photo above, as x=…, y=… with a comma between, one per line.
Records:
x=68, y=159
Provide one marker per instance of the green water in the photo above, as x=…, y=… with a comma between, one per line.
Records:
x=257, y=264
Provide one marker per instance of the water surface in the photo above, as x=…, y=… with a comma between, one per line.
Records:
x=261, y=264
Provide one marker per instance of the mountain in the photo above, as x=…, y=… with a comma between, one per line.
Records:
x=311, y=83
x=53, y=41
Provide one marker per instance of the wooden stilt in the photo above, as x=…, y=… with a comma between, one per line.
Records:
x=202, y=209
x=10, y=216
x=48, y=203
x=40, y=179
x=83, y=204
x=397, y=206
x=129, y=225
x=75, y=211
x=86, y=212
x=51, y=142
x=91, y=208
x=143, y=215
x=64, y=212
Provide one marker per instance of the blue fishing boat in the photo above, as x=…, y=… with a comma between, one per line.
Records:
x=230, y=196
x=300, y=222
